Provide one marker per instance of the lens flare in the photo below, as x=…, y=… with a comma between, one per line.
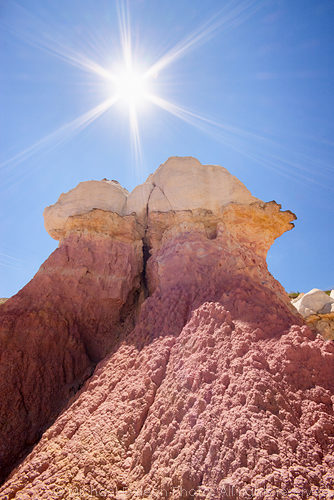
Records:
x=130, y=87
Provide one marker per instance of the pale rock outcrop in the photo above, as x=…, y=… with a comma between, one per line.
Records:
x=178, y=184
x=318, y=312
x=296, y=299
x=186, y=184
x=313, y=302
x=137, y=200
x=328, y=308
x=105, y=195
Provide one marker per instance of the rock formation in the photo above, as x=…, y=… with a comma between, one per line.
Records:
x=211, y=386
x=314, y=302
x=318, y=310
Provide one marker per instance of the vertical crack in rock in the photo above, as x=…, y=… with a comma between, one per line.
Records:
x=23, y=403
x=146, y=256
x=146, y=247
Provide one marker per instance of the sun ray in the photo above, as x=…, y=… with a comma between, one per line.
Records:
x=9, y=257
x=61, y=134
x=75, y=58
x=124, y=25
x=53, y=45
x=233, y=14
x=53, y=140
x=9, y=265
x=10, y=261
x=68, y=55
x=233, y=137
x=4, y=262
x=130, y=86
x=135, y=136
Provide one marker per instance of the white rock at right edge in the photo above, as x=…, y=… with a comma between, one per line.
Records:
x=313, y=302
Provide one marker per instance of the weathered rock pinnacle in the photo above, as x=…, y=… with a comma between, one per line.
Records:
x=207, y=384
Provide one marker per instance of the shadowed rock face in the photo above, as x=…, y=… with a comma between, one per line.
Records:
x=213, y=387
x=55, y=330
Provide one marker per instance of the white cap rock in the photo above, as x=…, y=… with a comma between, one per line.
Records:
x=181, y=183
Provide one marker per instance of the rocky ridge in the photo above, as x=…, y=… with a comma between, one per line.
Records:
x=208, y=383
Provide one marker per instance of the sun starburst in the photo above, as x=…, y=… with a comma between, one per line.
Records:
x=128, y=84
x=131, y=85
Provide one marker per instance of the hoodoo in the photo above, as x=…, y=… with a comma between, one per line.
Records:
x=154, y=356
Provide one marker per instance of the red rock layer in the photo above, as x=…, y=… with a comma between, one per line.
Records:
x=55, y=330
x=219, y=392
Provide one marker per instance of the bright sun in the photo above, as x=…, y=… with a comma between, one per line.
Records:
x=132, y=84
x=131, y=87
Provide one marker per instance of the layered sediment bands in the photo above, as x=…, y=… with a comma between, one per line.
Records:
x=214, y=394
x=55, y=330
x=216, y=388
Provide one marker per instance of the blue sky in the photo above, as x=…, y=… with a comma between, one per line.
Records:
x=251, y=84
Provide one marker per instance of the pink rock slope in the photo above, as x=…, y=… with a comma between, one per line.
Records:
x=213, y=387
x=55, y=330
